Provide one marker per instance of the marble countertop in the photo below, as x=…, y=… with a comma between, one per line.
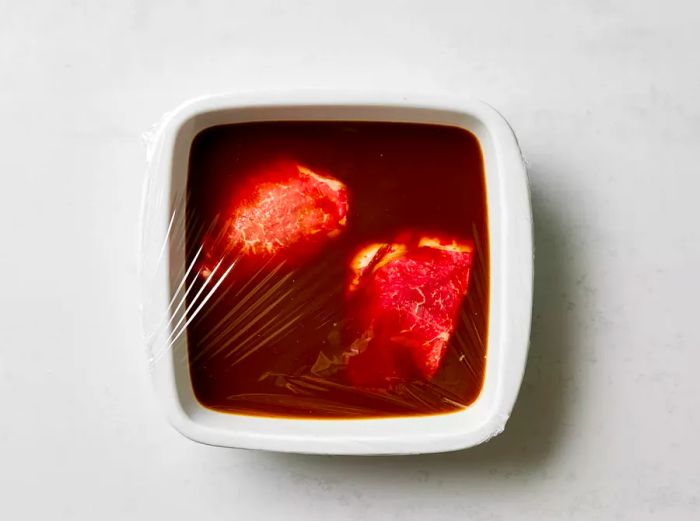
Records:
x=605, y=99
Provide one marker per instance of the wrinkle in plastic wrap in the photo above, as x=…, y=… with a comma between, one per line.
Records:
x=328, y=269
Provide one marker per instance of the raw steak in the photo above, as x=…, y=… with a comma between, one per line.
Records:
x=404, y=303
x=286, y=208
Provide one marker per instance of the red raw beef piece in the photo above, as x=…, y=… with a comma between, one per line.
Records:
x=287, y=208
x=404, y=303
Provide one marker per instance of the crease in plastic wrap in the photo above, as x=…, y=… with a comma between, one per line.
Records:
x=279, y=305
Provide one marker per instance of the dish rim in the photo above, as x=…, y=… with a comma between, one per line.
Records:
x=511, y=252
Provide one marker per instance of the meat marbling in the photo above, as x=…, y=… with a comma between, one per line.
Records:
x=286, y=208
x=404, y=300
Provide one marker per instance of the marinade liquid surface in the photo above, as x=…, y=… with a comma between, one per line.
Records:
x=272, y=339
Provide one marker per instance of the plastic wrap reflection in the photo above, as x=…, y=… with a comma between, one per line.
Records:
x=336, y=269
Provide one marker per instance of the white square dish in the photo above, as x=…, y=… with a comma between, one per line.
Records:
x=511, y=274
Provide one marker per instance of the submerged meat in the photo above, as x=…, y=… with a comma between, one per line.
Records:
x=287, y=207
x=404, y=303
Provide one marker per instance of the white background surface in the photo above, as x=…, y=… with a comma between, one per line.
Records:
x=605, y=98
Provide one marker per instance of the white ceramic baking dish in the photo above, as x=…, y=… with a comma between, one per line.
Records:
x=163, y=265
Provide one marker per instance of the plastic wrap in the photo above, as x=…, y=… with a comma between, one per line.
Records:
x=319, y=269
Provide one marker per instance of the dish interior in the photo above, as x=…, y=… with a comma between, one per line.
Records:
x=278, y=311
